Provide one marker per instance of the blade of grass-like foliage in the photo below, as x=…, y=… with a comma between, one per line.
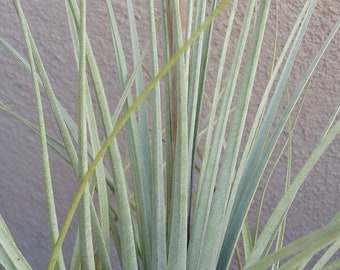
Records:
x=262, y=106
x=336, y=112
x=31, y=126
x=115, y=233
x=281, y=232
x=158, y=236
x=121, y=66
x=259, y=115
x=10, y=255
x=100, y=175
x=138, y=144
x=211, y=156
x=5, y=262
x=101, y=242
x=52, y=142
x=244, y=190
x=246, y=240
x=327, y=256
x=120, y=125
x=141, y=111
x=135, y=140
x=57, y=109
x=197, y=76
x=269, y=237
x=51, y=210
x=168, y=132
x=187, y=18
x=215, y=226
x=333, y=265
x=260, y=206
x=265, y=240
x=60, y=114
x=193, y=66
x=300, y=260
x=100, y=172
x=94, y=64
x=73, y=127
x=177, y=256
x=92, y=124
x=75, y=260
x=195, y=89
x=127, y=89
x=336, y=246
x=198, y=67
x=129, y=258
x=85, y=228
x=303, y=247
x=268, y=120
x=265, y=151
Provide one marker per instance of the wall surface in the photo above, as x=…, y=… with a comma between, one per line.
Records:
x=21, y=183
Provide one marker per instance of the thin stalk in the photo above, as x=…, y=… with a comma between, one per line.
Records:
x=51, y=211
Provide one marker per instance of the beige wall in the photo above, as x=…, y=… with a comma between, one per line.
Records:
x=21, y=184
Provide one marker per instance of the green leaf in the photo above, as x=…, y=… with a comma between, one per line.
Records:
x=265, y=240
x=51, y=208
x=302, y=248
x=10, y=256
x=268, y=237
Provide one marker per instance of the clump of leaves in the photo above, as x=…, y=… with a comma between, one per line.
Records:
x=180, y=216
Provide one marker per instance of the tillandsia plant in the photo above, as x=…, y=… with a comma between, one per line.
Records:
x=183, y=200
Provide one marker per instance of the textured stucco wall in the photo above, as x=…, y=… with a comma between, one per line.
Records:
x=21, y=184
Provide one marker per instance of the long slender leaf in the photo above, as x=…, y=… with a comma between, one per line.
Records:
x=245, y=190
x=264, y=242
x=179, y=201
x=10, y=255
x=269, y=236
x=327, y=256
x=210, y=161
x=53, y=142
x=334, y=265
x=310, y=243
x=85, y=235
x=100, y=172
x=138, y=143
x=128, y=245
x=219, y=205
x=118, y=127
x=158, y=240
x=156, y=218
x=103, y=249
x=51, y=210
